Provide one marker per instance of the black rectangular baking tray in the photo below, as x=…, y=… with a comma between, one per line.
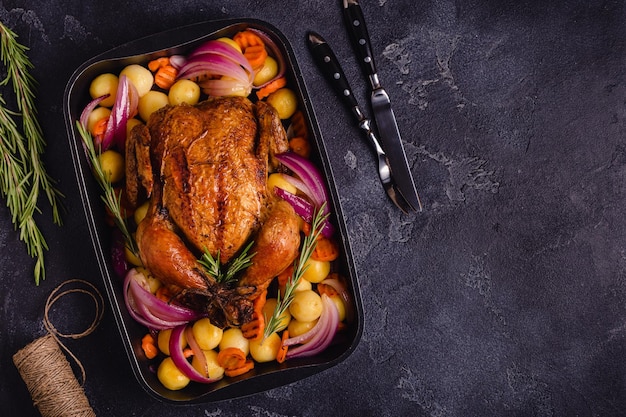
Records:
x=264, y=376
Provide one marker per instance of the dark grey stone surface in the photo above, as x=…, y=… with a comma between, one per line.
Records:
x=505, y=297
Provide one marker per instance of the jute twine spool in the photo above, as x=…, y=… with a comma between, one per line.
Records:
x=51, y=382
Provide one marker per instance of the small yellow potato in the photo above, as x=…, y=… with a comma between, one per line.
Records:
x=104, y=84
x=97, y=114
x=184, y=91
x=278, y=180
x=152, y=101
x=303, y=285
x=341, y=307
x=316, y=270
x=140, y=77
x=306, y=306
x=112, y=164
x=130, y=124
x=213, y=369
x=233, y=337
x=230, y=42
x=268, y=311
x=131, y=258
x=153, y=283
x=207, y=335
x=296, y=327
x=265, y=350
x=170, y=376
x=267, y=71
x=285, y=102
x=140, y=212
x=163, y=341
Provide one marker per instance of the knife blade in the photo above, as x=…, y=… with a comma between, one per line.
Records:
x=330, y=67
x=384, y=117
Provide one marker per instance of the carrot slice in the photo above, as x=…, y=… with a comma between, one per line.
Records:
x=281, y=356
x=247, y=38
x=256, y=55
x=326, y=289
x=298, y=125
x=247, y=366
x=99, y=128
x=231, y=358
x=271, y=87
x=187, y=352
x=155, y=64
x=326, y=249
x=148, y=345
x=254, y=329
x=165, y=77
x=300, y=146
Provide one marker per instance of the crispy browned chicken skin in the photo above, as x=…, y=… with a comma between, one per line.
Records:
x=204, y=169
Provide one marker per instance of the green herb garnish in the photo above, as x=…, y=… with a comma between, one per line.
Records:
x=22, y=172
x=300, y=266
x=111, y=198
x=215, y=269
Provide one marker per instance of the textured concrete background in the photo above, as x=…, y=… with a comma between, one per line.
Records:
x=505, y=297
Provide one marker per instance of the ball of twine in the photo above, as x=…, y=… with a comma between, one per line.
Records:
x=48, y=375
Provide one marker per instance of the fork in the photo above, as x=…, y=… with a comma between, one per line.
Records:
x=330, y=67
x=384, y=169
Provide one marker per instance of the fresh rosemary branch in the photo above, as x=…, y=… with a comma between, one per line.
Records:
x=22, y=172
x=300, y=266
x=213, y=267
x=111, y=198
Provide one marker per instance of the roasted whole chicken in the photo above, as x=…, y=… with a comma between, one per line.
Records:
x=204, y=169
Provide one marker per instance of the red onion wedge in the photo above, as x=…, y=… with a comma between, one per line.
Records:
x=195, y=348
x=225, y=87
x=308, y=173
x=125, y=107
x=150, y=310
x=298, y=183
x=223, y=49
x=213, y=65
x=84, y=115
x=220, y=69
x=319, y=337
x=132, y=310
x=304, y=209
x=176, y=352
x=343, y=293
x=177, y=61
x=310, y=181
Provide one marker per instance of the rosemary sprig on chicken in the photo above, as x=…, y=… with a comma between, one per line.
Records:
x=300, y=265
x=215, y=269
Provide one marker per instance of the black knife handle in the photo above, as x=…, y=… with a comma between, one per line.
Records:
x=355, y=23
x=331, y=69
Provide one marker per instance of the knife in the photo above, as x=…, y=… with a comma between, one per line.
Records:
x=381, y=105
x=329, y=65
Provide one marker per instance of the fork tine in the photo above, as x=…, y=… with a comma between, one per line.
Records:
x=386, y=177
x=398, y=199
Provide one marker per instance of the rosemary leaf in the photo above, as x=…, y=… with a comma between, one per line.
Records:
x=18, y=65
x=22, y=172
x=111, y=198
x=308, y=246
x=214, y=268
